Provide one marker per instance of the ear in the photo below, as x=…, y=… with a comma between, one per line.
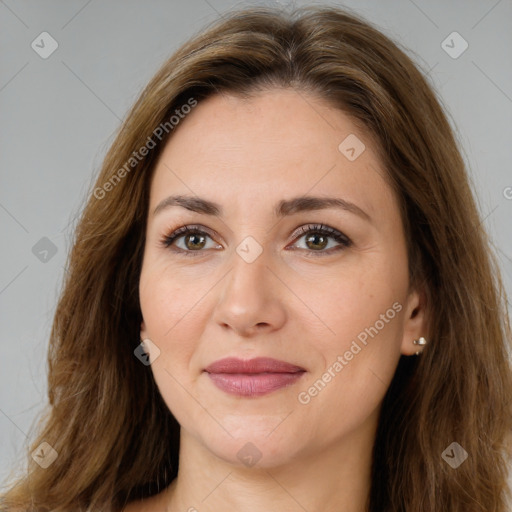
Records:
x=143, y=332
x=415, y=322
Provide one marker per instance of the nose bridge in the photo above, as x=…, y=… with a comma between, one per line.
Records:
x=249, y=296
x=249, y=269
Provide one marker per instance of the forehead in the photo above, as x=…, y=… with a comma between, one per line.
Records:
x=276, y=144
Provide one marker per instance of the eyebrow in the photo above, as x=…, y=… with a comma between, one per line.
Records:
x=282, y=209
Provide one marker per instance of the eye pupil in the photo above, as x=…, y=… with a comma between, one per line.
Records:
x=317, y=235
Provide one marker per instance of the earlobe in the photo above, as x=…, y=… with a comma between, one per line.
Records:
x=415, y=324
x=143, y=333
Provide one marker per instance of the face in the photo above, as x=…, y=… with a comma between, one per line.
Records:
x=322, y=287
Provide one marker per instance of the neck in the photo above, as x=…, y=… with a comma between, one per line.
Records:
x=337, y=478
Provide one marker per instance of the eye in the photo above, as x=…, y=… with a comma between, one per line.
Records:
x=316, y=238
x=193, y=237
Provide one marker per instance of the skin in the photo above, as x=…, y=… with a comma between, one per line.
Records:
x=294, y=305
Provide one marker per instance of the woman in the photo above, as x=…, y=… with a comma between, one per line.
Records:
x=280, y=295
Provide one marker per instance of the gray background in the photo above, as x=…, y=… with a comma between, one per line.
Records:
x=59, y=115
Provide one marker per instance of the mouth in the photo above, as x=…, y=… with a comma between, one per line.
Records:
x=253, y=377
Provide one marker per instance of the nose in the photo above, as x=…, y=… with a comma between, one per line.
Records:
x=252, y=298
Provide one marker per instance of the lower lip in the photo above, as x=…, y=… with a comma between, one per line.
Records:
x=255, y=384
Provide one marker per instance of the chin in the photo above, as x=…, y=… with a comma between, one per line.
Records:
x=254, y=448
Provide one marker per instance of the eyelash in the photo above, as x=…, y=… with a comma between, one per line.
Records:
x=322, y=229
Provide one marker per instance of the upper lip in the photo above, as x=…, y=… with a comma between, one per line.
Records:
x=256, y=365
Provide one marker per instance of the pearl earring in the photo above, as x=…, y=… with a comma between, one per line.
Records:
x=421, y=341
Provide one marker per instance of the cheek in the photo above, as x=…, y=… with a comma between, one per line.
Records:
x=358, y=360
x=169, y=309
x=355, y=298
x=166, y=299
x=364, y=311
x=168, y=313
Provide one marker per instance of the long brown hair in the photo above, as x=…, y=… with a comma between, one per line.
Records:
x=117, y=441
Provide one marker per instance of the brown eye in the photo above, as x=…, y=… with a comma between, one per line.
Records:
x=317, y=237
x=192, y=239
x=316, y=241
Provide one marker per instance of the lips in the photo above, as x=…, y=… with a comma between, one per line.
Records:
x=253, y=377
